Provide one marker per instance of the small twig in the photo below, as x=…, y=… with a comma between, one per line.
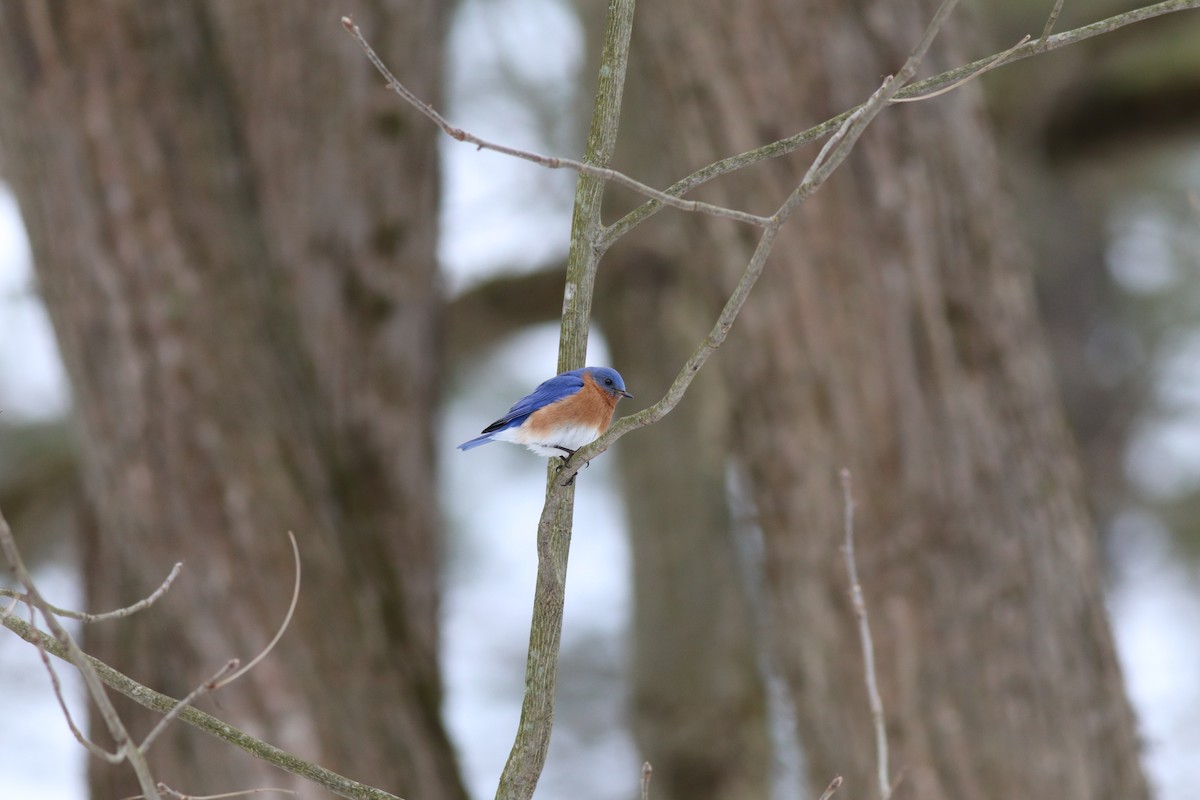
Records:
x=550, y=162
x=203, y=689
x=85, y=617
x=868, y=648
x=222, y=677
x=1051, y=21
x=834, y=785
x=646, y=771
x=287, y=619
x=168, y=791
x=990, y=65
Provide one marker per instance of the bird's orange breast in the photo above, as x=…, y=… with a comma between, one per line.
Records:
x=591, y=406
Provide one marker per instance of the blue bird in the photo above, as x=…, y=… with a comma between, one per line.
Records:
x=561, y=415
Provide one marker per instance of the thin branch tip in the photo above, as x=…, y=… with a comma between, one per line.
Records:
x=833, y=786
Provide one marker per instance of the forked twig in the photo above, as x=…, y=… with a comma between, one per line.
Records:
x=141, y=605
x=67, y=648
x=125, y=748
x=156, y=701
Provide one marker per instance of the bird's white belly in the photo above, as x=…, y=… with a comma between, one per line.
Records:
x=547, y=443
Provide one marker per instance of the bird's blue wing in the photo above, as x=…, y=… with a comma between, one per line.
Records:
x=551, y=391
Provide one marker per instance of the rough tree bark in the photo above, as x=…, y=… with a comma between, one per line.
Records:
x=231, y=223
x=894, y=333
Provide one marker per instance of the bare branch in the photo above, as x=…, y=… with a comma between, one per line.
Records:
x=832, y=154
x=141, y=605
x=798, y=140
x=156, y=701
x=550, y=162
x=1051, y=20
x=830, y=790
x=201, y=690
x=929, y=87
x=868, y=647
x=56, y=685
x=990, y=65
x=169, y=792
x=287, y=619
x=647, y=770
x=125, y=747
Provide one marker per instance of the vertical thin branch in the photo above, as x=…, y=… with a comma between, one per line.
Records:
x=532, y=741
x=868, y=648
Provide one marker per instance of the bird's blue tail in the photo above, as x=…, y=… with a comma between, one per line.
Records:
x=478, y=440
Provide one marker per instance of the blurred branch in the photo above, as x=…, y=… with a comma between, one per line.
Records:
x=832, y=788
x=490, y=311
x=40, y=484
x=1103, y=112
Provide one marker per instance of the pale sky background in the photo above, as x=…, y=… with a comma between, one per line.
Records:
x=496, y=217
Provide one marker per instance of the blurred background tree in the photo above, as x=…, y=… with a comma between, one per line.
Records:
x=747, y=519
x=232, y=231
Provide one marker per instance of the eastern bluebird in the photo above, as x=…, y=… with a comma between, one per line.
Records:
x=561, y=415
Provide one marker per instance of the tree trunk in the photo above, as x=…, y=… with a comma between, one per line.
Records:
x=894, y=333
x=232, y=223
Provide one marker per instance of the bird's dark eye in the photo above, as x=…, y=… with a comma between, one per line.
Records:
x=608, y=381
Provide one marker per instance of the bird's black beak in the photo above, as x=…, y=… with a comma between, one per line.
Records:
x=624, y=393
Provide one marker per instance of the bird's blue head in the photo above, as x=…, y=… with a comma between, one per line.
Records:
x=609, y=380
